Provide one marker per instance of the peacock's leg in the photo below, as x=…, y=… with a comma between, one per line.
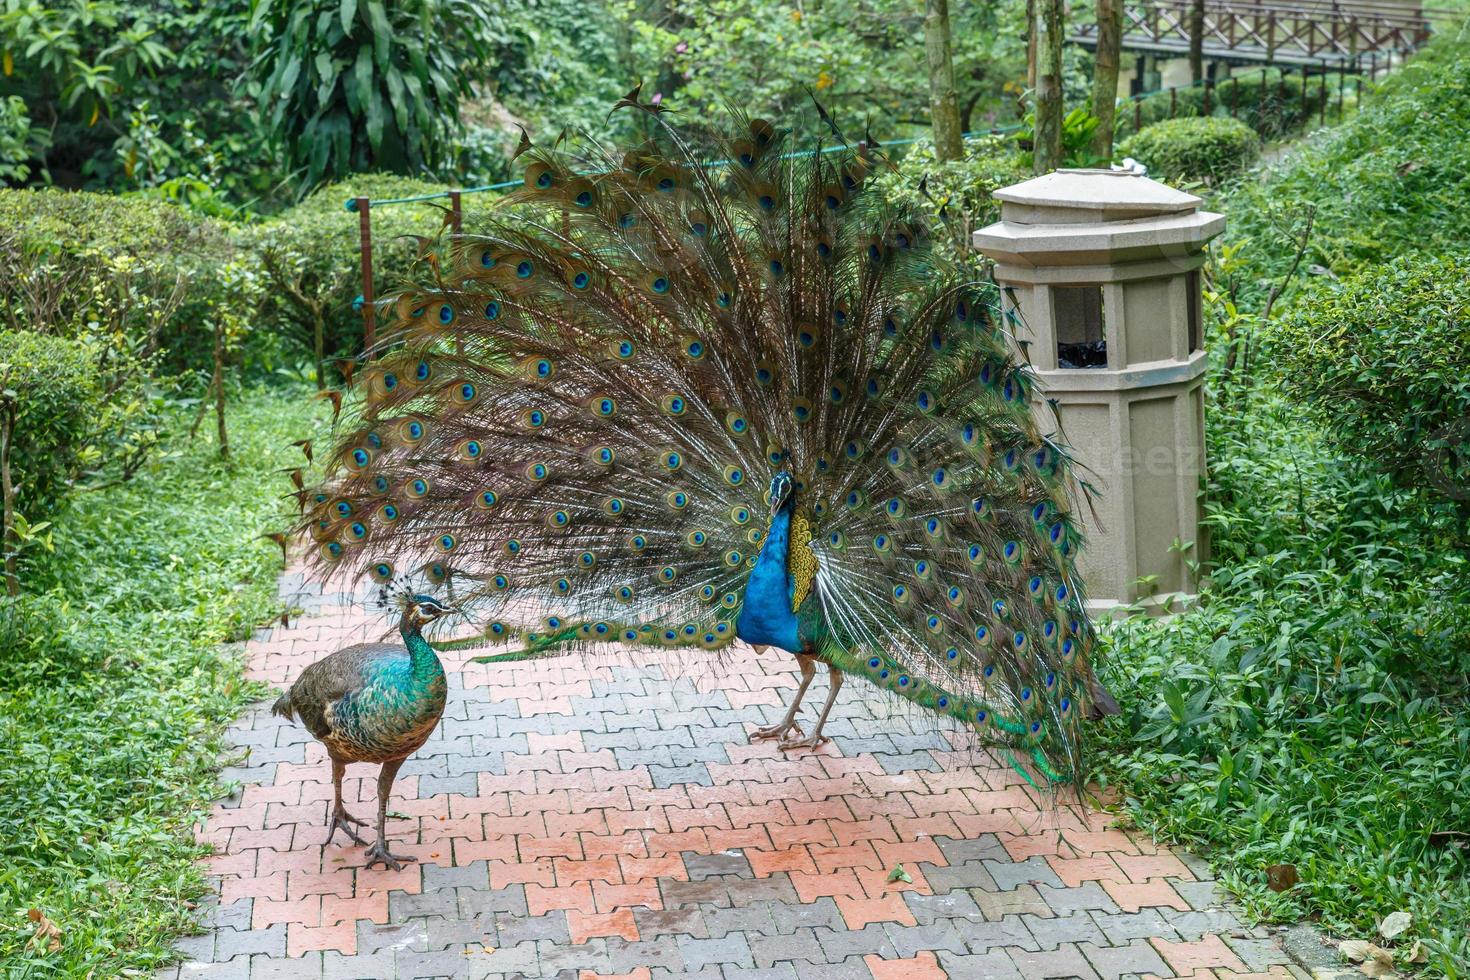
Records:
x=787, y=724
x=378, y=852
x=340, y=818
x=816, y=738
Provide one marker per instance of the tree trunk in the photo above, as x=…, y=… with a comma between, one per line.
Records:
x=1105, y=75
x=1031, y=44
x=319, y=345
x=944, y=110
x=1048, y=131
x=12, y=546
x=1197, y=41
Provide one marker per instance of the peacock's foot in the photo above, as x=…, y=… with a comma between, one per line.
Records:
x=810, y=742
x=378, y=853
x=343, y=821
x=776, y=731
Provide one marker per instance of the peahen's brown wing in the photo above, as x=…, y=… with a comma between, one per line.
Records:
x=333, y=678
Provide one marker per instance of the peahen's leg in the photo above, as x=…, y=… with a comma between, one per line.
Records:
x=816, y=738
x=340, y=818
x=788, y=724
x=378, y=852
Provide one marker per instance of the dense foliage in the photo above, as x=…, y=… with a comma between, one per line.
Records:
x=1314, y=708
x=114, y=689
x=1383, y=359
x=1194, y=148
x=50, y=396
x=1273, y=103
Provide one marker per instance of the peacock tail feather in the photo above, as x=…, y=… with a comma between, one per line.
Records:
x=578, y=415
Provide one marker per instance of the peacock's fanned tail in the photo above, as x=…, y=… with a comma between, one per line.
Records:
x=582, y=405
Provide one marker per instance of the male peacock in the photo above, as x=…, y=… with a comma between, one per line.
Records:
x=670, y=404
x=373, y=702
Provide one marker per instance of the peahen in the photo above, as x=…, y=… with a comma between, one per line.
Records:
x=667, y=403
x=373, y=702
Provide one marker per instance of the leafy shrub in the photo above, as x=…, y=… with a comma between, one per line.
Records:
x=1383, y=360
x=1272, y=104
x=50, y=400
x=959, y=189
x=1394, y=178
x=310, y=255
x=1194, y=148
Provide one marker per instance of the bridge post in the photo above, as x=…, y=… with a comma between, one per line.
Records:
x=1102, y=269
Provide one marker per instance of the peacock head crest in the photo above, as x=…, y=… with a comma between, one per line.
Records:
x=781, y=487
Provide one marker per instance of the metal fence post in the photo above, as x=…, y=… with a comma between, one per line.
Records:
x=1322, y=90
x=369, y=312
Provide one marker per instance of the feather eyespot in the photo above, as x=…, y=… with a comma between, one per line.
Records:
x=525, y=268
x=901, y=595
x=733, y=558
x=558, y=519
x=470, y=449
x=581, y=280
x=981, y=508
x=956, y=597
x=659, y=284
x=417, y=488
x=533, y=418
x=764, y=374
x=806, y=335
x=538, y=368
x=737, y=424
x=729, y=600
x=882, y=544
x=412, y=432
x=623, y=350
x=446, y=543
x=668, y=574
x=926, y=402
x=694, y=348
x=424, y=371
x=976, y=554
x=982, y=637
x=387, y=513
x=740, y=515
x=332, y=550
x=602, y=455
x=446, y=314
x=561, y=586
x=512, y=547
x=357, y=530
x=613, y=506
x=604, y=406
x=361, y=458
x=674, y=404
x=624, y=593
x=696, y=539
x=342, y=508
x=381, y=572
x=500, y=583
x=837, y=394
x=801, y=408
x=380, y=485
x=465, y=392
x=637, y=542
x=934, y=528
x=896, y=508
x=1013, y=552
x=754, y=535
x=672, y=460
x=536, y=472
x=678, y=499
x=734, y=476
x=492, y=310
x=487, y=499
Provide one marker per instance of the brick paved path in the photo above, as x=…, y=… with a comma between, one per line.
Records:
x=578, y=818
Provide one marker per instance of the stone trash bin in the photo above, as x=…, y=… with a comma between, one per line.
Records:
x=1100, y=278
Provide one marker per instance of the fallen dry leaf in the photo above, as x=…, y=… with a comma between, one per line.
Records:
x=1373, y=968
x=47, y=933
x=1354, y=949
x=1281, y=877
x=1417, y=953
x=1394, y=923
x=1449, y=838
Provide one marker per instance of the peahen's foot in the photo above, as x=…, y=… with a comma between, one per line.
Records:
x=810, y=742
x=778, y=730
x=378, y=853
x=343, y=821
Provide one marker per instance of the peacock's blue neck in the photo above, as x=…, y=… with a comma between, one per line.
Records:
x=766, y=618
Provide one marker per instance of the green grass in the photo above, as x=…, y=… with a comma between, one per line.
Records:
x=115, y=689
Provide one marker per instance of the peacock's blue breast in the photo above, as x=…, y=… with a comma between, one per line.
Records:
x=765, y=617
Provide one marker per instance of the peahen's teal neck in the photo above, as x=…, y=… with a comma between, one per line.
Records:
x=423, y=661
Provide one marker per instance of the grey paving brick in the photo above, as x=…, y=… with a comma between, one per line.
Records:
x=514, y=929
x=799, y=945
x=950, y=905
x=653, y=923
x=1201, y=894
x=711, y=745
x=857, y=746
x=1086, y=897
x=702, y=866
x=308, y=967
x=791, y=916
x=1197, y=866
x=986, y=847
x=372, y=937
x=907, y=762
x=478, y=901
x=522, y=958
x=739, y=918
x=776, y=888
x=363, y=966
x=1033, y=871
x=968, y=874
x=436, y=784
x=235, y=969
x=839, y=944
x=230, y=943
x=198, y=948
x=1065, y=961
x=694, y=774
x=1126, y=926
x=1193, y=925
x=732, y=948
x=415, y=965
x=1112, y=962
x=978, y=966
x=236, y=915
x=1258, y=954
x=402, y=905
x=472, y=875
x=680, y=894
x=779, y=971
x=625, y=957
x=454, y=931
x=1053, y=932
x=852, y=968
x=1009, y=931
x=710, y=971
x=908, y=940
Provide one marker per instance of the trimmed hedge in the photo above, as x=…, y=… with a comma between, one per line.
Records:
x=1383, y=361
x=1203, y=148
x=57, y=397
x=1271, y=104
